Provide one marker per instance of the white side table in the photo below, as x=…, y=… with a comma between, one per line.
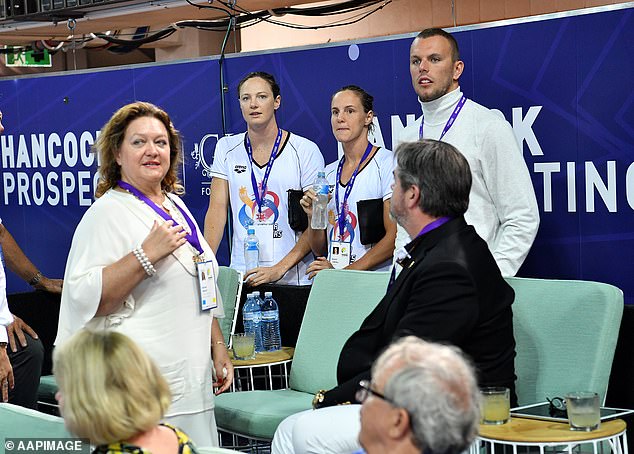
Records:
x=524, y=432
x=269, y=370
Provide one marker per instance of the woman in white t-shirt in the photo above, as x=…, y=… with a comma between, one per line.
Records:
x=360, y=233
x=253, y=172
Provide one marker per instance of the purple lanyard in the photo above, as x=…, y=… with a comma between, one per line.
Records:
x=433, y=225
x=429, y=227
x=341, y=213
x=260, y=194
x=450, y=122
x=192, y=238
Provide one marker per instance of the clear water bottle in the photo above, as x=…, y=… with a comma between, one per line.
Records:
x=270, y=324
x=251, y=250
x=319, y=221
x=252, y=320
x=258, y=298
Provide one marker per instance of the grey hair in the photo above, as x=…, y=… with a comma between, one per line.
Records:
x=436, y=384
x=441, y=173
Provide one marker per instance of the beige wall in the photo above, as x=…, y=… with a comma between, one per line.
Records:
x=405, y=16
x=397, y=17
x=191, y=43
x=82, y=59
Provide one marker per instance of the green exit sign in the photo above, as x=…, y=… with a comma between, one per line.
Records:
x=28, y=58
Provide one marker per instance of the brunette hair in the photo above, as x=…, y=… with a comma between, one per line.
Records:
x=268, y=78
x=111, y=137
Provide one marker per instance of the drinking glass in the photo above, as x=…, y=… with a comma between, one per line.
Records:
x=243, y=346
x=496, y=407
x=584, y=412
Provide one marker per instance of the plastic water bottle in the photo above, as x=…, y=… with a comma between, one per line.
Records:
x=270, y=324
x=319, y=221
x=251, y=250
x=258, y=298
x=252, y=319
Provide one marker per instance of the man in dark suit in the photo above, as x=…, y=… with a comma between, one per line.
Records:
x=450, y=290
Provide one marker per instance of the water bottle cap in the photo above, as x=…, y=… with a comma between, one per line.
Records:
x=268, y=294
x=251, y=230
x=321, y=174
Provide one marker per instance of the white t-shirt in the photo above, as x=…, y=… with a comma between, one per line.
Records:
x=295, y=167
x=373, y=181
x=5, y=316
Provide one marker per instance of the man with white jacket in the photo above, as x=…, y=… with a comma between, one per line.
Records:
x=502, y=204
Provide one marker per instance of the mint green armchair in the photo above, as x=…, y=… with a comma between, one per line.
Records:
x=566, y=333
x=230, y=287
x=338, y=302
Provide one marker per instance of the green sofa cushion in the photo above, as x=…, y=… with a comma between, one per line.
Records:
x=258, y=413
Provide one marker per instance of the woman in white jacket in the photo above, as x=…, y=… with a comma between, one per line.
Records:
x=135, y=262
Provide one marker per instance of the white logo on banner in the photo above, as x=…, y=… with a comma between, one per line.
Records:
x=599, y=178
x=203, y=154
x=51, y=169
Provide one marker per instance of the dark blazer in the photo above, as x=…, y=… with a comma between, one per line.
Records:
x=451, y=291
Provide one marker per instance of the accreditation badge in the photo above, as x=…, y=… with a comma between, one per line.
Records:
x=264, y=232
x=340, y=252
x=207, y=285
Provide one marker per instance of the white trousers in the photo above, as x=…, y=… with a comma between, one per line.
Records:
x=332, y=430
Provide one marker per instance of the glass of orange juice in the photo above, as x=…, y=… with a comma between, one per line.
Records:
x=496, y=406
x=243, y=346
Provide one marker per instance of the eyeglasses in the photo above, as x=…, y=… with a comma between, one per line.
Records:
x=365, y=390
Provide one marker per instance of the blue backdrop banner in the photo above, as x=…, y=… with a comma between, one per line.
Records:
x=566, y=84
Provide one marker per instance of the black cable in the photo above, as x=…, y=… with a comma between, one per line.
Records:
x=328, y=10
x=318, y=27
x=223, y=113
x=210, y=7
x=220, y=23
x=323, y=10
x=164, y=33
x=214, y=25
x=248, y=19
x=222, y=78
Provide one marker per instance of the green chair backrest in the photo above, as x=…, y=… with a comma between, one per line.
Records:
x=230, y=287
x=566, y=333
x=20, y=422
x=339, y=301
